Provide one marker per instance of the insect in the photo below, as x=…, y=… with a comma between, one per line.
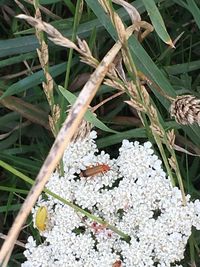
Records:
x=118, y=263
x=41, y=218
x=94, y=170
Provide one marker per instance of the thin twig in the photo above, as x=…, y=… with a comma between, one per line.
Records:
x=106, y=100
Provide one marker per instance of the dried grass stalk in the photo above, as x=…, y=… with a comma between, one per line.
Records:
x=55, y=35
x=135, y=104
x=172, y=163
x=171, y=138
x=157, y=130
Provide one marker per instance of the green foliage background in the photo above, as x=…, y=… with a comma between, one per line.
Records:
x=25, y=145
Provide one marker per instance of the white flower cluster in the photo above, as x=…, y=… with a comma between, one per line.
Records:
x=133, y=194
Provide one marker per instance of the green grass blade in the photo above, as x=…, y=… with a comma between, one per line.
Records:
x=157, y=21
x=17, y=59
x=10, y=208
x=11, y=189
x=195, y=11
x=27, y=110
x=182, y=68
x=135, y=133
x=89, y=116
x=70, y=5
x=33, y=80
x=117, y=138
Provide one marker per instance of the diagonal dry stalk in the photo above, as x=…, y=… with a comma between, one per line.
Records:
x=65, y=135
x=140, y=100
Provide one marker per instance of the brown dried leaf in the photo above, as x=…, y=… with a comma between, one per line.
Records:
x=131, y=10
x=121, y=31
x=181, y=149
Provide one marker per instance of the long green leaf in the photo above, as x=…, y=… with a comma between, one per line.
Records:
x=10, y=208
x=29, y=43
x=193, y=8
x=33, y=80
x=157, y=21
x=17, y=59
x=182, y=68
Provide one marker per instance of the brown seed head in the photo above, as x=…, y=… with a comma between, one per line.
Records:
x=186, y=109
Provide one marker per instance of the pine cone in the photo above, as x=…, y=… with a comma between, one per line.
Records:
x=186, y=109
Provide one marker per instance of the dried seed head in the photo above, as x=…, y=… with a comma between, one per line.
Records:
x=186, y=109
x=171, y=138
x=135, y=104
x=56, y=113
x=157, y=130
x=86, y=54
x=153, y=113
x=51, y=124
x=145, y=95
x=121, y=31
x=172, y=163
x=114, y=84
x=54, y=35
x=131, y=87
x=84, y=47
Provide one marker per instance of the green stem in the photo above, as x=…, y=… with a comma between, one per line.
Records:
x=179, y=178
x=132, y=70
x=74, y=206
x=162, y=152
x=69, y=61
x=157, y=138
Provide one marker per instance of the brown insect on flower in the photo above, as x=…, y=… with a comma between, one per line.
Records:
x=118, y=263
x=95, y=170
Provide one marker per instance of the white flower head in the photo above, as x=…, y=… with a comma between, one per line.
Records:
x=131, y=193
